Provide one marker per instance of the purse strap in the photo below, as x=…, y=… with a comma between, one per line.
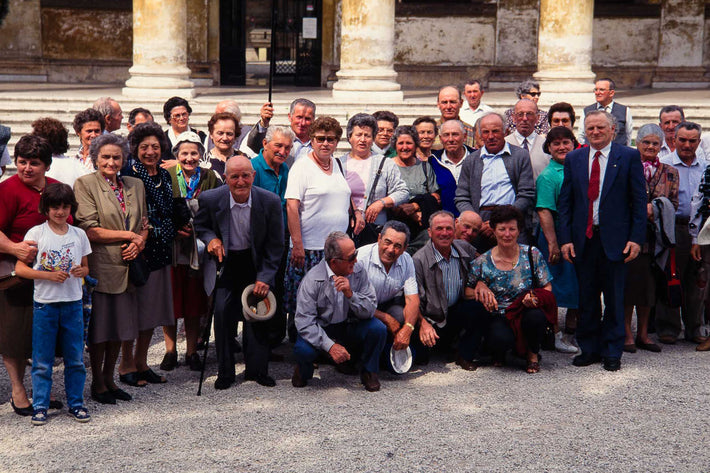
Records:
x=426, y=176
x=374, y=183
x=535, y=280
x=674, y=274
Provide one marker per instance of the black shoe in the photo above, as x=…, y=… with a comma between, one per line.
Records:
x=370, y=381
x=120, y=394
x=263, y=379
x=586, y=359
x=104, y=398
x=347, y=368
x=55, y=404
x=297, y=380
x=170, y=361
x=612, y=364
x=194, y=362
x=21, y=411
x=223, y=383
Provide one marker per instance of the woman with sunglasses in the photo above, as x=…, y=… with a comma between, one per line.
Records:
x=528, y=89
x=317, y=203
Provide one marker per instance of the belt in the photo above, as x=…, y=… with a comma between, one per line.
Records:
x=489, y=207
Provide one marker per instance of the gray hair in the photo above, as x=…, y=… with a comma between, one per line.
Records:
x=304, y=102
x=441, y=213
x=231, y=106
x=362, y=120
x=458, y=123
x=285, y=131
x=398, y=227
x=690, y=126
x=649, y=129
x=107, y=139
x=103, y=106
x=672, y=108
x=525, y=86
x=610, y=118
x=331, y=249
x=406, y=130
x=500, y=117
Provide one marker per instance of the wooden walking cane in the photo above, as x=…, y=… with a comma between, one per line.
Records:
x=208, y=329
x=272, y=65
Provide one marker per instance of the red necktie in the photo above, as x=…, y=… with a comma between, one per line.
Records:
x=593, y=192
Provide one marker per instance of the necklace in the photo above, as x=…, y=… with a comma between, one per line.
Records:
x=320, y=165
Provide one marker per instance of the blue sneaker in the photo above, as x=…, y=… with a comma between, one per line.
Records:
x=80, y=414
x=39, y=417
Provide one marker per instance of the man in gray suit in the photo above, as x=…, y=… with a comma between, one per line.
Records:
x=335, y=308
x=497, y=174
x=242, y=227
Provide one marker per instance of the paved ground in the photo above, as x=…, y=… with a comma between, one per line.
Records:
x=650, y=416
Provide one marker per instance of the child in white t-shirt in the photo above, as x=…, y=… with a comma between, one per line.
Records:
x=59, y=267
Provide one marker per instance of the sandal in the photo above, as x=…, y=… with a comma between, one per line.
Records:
x=132, y=379
x=533, y=367
x=150, y=376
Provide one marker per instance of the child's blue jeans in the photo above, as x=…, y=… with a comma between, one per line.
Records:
x=61, y=322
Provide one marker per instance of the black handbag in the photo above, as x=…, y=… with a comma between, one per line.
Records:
x=548, y=339
x=138, y=271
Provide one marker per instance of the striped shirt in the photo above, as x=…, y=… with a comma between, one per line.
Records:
x=401, y=277
x=451, y=275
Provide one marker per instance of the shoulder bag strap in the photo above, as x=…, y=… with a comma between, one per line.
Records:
x=374, y=183
x=352, y=209
x=426, y=176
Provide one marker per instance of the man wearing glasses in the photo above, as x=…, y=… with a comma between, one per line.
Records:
x=334, y=314
x=525, y=136
x=604, y=90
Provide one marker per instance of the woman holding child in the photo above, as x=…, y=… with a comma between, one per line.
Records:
x=19, y=201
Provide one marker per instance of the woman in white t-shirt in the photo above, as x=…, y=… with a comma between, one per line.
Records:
x=317, y=203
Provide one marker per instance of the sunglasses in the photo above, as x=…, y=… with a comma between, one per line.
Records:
x=329, y=139
x=351, y=259
x=532, y=94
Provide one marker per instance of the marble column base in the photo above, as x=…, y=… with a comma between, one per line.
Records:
x=371, y=85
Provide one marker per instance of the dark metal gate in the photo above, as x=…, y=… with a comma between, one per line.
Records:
x=298, y=42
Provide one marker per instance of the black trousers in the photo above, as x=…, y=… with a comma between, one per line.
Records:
x=239, y=272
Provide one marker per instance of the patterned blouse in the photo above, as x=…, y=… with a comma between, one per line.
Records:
x=508, y=285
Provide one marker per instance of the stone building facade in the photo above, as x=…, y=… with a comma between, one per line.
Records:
x=358, y=45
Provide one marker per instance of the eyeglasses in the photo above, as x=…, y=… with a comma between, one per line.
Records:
x=532, y=94
x=321, y=139
x=179, y=115
x=601, y=90
x=351, y=259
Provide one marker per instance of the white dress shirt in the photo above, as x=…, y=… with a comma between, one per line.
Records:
x=455, y=168
x=240, y=228
x=603, y=160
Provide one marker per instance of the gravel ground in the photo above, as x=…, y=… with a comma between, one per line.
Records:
x=650, y=416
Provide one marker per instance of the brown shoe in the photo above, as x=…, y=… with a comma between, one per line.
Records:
x=465, y=364
x=297, y=380
x=667, y=339
x=697, y=339
x=370, y=381
x=705, y=346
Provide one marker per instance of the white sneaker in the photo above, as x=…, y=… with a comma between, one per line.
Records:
x=562, y=345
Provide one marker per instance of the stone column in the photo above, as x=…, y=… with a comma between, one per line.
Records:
x=159, y=50
x=367, y=53
x=564, y=53
x=680, y=51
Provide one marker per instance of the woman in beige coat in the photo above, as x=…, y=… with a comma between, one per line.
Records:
x=112, y=211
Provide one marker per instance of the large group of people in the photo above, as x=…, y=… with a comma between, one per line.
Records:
x=463, y=235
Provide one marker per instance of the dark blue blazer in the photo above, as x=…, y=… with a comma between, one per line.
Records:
x=622, y=205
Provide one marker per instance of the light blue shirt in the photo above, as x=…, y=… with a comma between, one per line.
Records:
x=401, y=278
x=689, y=179
x=496, y=188
x=451, y=274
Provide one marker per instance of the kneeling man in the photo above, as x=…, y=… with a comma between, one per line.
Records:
x=334, y=309
x=391, y=272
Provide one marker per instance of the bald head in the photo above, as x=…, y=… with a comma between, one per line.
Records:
x=525, y=116
x=239, y=175
x=468, y=224
x=229, y=106
x=449, y=102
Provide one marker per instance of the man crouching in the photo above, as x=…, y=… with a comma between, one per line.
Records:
x=334, y=309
